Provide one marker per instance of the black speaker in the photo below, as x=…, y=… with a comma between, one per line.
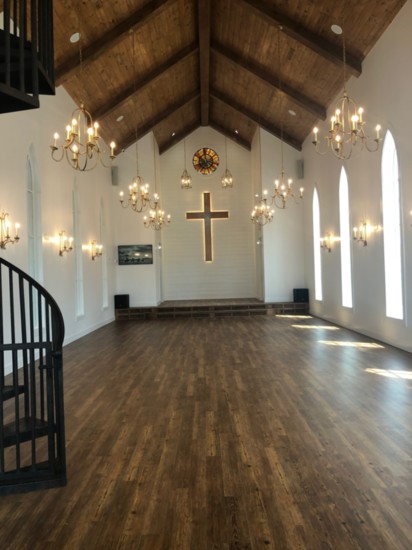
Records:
x=301, y=295
x=121, y=301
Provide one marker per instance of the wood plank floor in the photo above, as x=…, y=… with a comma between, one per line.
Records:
x=235, y=433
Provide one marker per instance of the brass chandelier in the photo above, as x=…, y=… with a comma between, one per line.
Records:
x=262, y=212
x=347, y=126
x=139, y=199
x=282, y=186
x=81, y=145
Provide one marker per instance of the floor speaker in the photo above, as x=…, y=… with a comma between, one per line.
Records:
x=121, y=301
x=301, y=295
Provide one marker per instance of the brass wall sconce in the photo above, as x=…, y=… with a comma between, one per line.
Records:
x=327, y=241
x=5, y=237
x=96, y=249
x=65, y=243
x=362, y=232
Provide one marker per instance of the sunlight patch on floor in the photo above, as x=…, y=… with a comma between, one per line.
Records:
x=361, y=345
x=295, y=316
x=404, y=374
x=323, y=327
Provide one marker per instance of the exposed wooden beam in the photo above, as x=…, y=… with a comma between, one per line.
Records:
x=229, y=134
x=179, y=136
x=110, y=38
x=204, y=59
x=318, y=44
x=149, y=79
x=300, y=99
x=259, y=120
x=149, y=125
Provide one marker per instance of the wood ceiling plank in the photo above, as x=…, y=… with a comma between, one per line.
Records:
x=261, y=121
x=204, y=58
x=230, y=135
x=158, y=118
x=178, y=137
x=148, y=80
x=111, y=38
x=299, y=98
x=318, y=44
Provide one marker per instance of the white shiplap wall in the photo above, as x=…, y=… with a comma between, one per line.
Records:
x=186, y=275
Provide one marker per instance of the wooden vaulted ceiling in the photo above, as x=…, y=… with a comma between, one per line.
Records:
x=229, y=64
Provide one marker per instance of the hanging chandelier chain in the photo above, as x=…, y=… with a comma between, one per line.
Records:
x=344, y=49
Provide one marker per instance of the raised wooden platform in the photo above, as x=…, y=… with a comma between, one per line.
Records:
x=211, y=308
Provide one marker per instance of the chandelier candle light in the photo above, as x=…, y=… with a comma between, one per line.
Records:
x=347, y=126
x=5, y=237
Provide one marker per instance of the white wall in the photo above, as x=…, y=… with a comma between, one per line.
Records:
x=141, y=282
x=282, y=238
x=32, y=131
x=383, y=90
x=186, y=275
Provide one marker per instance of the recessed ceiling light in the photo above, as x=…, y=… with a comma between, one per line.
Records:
x=337, y=29
x=120, y=118
x=236, y=132
x=292, y=112
x=75, y=37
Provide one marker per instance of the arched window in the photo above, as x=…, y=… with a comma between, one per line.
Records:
x=316, y=246
x=105, y=284
x=392, y=229
x=34, y=226
x=78, y=257
x=345, y=240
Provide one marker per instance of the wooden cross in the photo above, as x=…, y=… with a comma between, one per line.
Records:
x=207, y=216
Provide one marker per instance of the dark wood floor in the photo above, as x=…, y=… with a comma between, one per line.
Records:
x=235, y=433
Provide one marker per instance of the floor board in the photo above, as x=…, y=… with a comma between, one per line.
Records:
x=229, y=433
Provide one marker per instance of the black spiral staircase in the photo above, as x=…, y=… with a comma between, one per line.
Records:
x=32, y=439
x=26, y=53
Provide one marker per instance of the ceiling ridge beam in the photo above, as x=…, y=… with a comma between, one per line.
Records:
x=318, y=44
x=300, y=99
x=150, y=78
x=230, y=135
x=204, y=59
x=179, y=136
x=149, y=125
x=257, y=119
x=110, y=38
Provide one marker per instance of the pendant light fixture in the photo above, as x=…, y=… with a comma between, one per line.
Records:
x=227, y=178
x=185, y=178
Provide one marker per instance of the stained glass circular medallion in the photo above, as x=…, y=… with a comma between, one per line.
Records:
x=205, y=161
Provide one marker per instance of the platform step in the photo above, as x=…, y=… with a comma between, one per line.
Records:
x=218, y=310
x=24, y=432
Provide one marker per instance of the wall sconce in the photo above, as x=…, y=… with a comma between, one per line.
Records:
x=362, y=232
x=65, y=243
x=96, y=249
x=327, y=241
x=5, y=231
